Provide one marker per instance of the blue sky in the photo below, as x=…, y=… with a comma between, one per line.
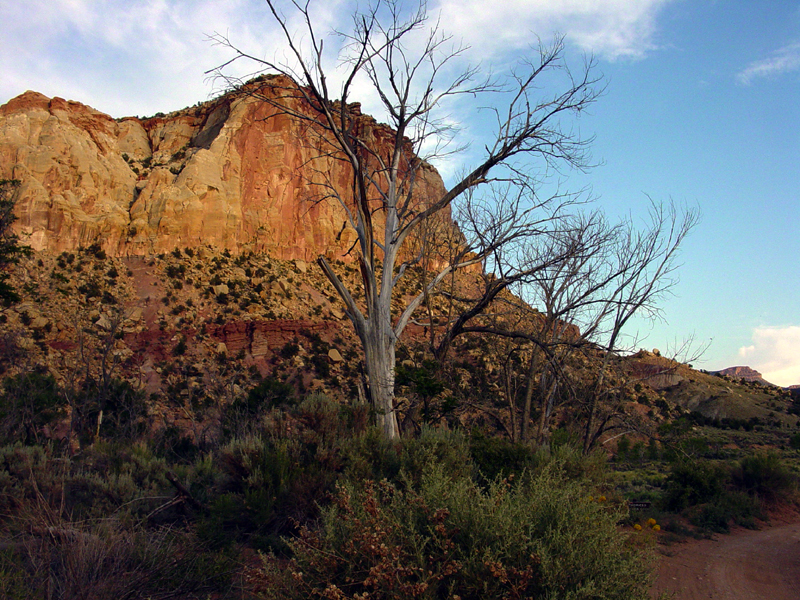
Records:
x=702, y=107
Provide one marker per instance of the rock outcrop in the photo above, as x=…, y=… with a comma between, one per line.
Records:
x=741, y=373
x=745, y=373
x=233, y=173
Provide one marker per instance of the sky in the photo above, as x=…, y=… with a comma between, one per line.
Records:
x=702, y=107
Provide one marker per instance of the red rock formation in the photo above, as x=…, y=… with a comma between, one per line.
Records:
x=741, y=373
x=745, y=373
x=230, y=173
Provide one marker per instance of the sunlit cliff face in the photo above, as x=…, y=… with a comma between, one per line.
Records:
x=229, y=173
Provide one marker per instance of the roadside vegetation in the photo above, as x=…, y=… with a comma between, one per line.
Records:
x=301, y=497
x=311, y=501
x=697, y=481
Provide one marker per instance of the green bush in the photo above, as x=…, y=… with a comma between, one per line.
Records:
x=499, y=457
x=714, y=495
x=736, y=507
x=449, y=537
x=123, y=409
x=28, y=403
x=763, y=475
x=275, y=477
x=694, y=482
x=244, y=414
x=103, y=480
x=107, y=560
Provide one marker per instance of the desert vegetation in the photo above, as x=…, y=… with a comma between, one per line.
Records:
x=298, y=496
x=248, y=466
x=314, y=489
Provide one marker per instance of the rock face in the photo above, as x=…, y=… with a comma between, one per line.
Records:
x=233, y=173
x=741, y=373
x=745, y=373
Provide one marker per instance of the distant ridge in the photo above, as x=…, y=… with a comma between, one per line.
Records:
x=746, y=373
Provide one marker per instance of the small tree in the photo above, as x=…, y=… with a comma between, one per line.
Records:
x=577, y=287
x=408, y=66
x=10, y=248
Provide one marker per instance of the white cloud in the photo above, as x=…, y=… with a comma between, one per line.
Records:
x=141, y=56
x=781, y=61
x=611, y=29
x=124, y=56
x=775, y=352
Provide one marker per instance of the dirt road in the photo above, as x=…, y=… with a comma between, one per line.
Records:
x=745, y=565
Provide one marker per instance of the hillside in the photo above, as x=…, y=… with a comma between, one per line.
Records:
x=176, y=253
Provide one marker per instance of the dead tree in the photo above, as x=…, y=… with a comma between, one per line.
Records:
x=646, y=262
x=408, y=64
x=576, y=289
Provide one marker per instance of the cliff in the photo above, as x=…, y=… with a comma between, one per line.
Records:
x=745, y=373
x=233, y=173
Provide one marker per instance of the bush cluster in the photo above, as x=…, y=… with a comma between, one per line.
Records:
x=716, y=494
x=446, y=536
x=309, y=483
x=100, y=525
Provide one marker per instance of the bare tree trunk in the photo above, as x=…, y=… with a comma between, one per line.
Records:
x=526, y=411
x=379, y=359
x=548, y=403
x=512, y=406
x=589, y=436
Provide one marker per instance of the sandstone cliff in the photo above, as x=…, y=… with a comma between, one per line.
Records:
x=745, y=373
x=741, y=373
x=229, y=173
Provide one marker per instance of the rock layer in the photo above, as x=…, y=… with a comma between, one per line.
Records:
x=232, y=173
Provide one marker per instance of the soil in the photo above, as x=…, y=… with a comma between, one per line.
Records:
x=743, y=565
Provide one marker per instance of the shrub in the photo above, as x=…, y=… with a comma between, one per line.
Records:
x=694, y=482
x=736, y=507
x=175, y=271
x=289, y=350
x=448, y=537
x=96, y=250
x=321, y=365
x=180, y=347
x=763, y=475
x=123, y=408
x=107, y=560
x=498, y=457
x=28, y=403
x=279, y=469
x=245, y=413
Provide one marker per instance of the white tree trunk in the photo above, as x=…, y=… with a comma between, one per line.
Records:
x=379, y=357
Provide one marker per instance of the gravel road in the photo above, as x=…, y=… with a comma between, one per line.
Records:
x=745, y=565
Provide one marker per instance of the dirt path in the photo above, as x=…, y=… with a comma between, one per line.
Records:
x=745, y=565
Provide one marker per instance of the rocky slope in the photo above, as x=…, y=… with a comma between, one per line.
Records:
x=231, y=173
